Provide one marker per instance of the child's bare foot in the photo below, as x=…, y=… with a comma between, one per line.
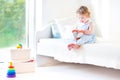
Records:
x=77, y=38
x=70, y=46
x=75, y=46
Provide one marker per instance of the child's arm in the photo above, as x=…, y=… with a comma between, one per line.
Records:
x=75, y=30
x=90, y=30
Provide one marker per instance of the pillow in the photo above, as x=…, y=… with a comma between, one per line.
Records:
x=67, y=33
x=55, y=30
x=65, y=27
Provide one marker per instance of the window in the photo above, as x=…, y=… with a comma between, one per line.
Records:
x=16, y=25
x=12, y=23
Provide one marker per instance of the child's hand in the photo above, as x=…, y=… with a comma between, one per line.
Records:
x=78, y=31
x=81, y=31
x=75, y=30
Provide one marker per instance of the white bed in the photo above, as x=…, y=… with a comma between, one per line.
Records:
x=105, y=52
x=101, y=53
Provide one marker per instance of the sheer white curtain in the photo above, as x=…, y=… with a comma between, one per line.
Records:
x=115, y=19
x=38, y=14
x=101, y=14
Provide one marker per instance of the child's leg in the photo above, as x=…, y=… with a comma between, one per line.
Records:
x=84, y=39
x=75, y=34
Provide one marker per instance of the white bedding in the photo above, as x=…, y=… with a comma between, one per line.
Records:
x=101, y=53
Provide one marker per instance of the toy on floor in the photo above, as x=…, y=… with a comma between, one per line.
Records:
x=11, y=71
x=19, y=46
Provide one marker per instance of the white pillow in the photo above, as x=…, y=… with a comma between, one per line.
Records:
x=66, y=26
x=67, y=32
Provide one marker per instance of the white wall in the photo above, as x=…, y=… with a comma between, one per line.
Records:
x=114, y=18
x=52, y=9
x=101, y=14
x=38, y=14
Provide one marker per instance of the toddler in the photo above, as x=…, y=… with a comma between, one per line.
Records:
x=84, y=31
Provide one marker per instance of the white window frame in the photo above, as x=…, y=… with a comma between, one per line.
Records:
x=33, y=23
x=30, y=25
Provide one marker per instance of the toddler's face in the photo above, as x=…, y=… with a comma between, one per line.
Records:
x=83, y=18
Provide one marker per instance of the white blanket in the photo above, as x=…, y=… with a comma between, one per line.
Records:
x=101, y=53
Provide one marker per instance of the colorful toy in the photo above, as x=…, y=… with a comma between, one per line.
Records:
x=11, y=71
x=19, y=46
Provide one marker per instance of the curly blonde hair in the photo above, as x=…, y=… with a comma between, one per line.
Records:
x=83, y=10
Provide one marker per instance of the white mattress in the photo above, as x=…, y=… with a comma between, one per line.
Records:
x=102, y=53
